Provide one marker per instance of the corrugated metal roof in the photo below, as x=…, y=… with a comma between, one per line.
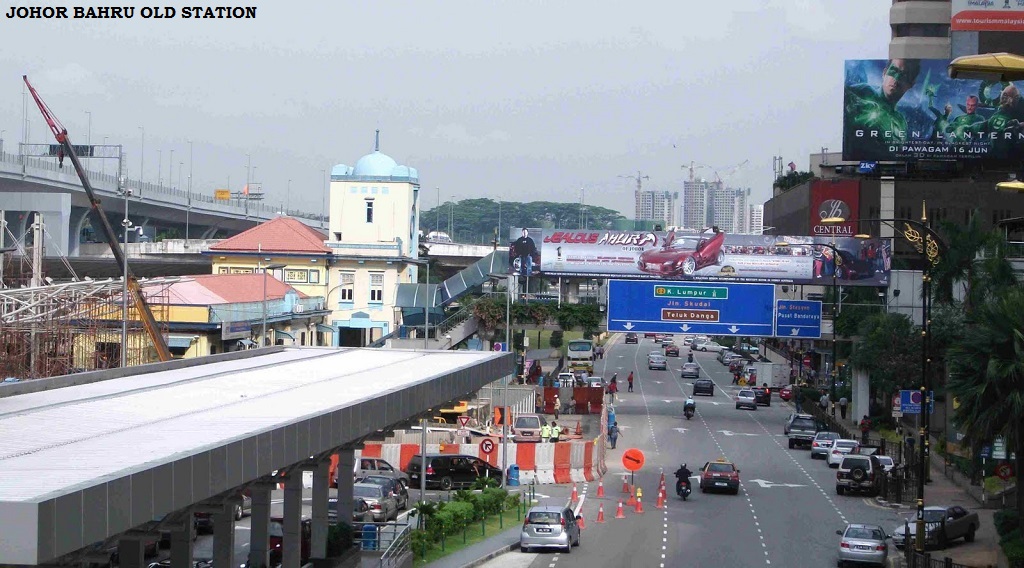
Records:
x=212, y=289
x=71, y=440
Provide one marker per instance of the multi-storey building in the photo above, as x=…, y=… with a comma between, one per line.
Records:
x=694, y=211
x=920, y=29
x=755, y=220
x=657, y=206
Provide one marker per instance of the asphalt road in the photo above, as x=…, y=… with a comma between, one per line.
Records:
x=786, y=513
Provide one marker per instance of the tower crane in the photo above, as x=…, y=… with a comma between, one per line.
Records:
x=694, y=167
x=729, y=172
x=67, y=149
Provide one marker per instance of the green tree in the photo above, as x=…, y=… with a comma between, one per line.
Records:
x=792, y=179
x=476, y=220
x=987, y=376
x=889, y=351
x=972, y=257
x=557, y=339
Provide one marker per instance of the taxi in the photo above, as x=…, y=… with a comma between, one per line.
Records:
x=720, y=475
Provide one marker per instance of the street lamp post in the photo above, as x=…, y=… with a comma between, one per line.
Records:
x=930, y=246
x=263, y=333
x=188, y=201
x=426, y=309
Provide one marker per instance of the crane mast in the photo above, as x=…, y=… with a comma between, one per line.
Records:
x=146, y=314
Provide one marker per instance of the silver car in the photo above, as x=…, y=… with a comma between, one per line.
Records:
x=657, y=362
x=863, y=544
x=821, y=444
x=746, y=399
x=691, y=370
x=550, y=527
x=382, y=503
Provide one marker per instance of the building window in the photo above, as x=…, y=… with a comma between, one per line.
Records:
x=348, y=286
x=223, y=270
x=314, y=276
x=921, y=30
x=296, y=276
x=369, y=211
x=237, y=270
x=377, y=287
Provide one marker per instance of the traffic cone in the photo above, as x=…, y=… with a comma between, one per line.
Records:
x=618, y=512
x=631, y=502
x=600, y=513
x=661, y=499
x=662, y=482
x=579, y=428
x=600, y=487
x=625, y=483
x=575, y=496
x=583, y=524
x=639, y=500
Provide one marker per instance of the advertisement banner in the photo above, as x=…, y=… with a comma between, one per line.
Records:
x=988, y=15
x=710, y=256
x=909, y=108
x=840, y=198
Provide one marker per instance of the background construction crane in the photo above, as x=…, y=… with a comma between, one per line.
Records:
x=729, y=171
x=146, y=314
x=694, y=167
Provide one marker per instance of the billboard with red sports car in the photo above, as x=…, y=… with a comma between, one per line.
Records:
x=707, y=255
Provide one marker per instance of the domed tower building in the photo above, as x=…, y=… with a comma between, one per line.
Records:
x=374, y=240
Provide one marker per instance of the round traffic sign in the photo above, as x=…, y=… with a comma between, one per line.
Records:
x=1004, y=471
x=633, y=459
x=487, y=445
x=916, y=397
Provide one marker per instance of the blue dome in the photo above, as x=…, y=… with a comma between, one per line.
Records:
x=375, y=164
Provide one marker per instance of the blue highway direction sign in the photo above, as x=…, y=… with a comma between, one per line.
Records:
x=661, y=306
x=798, y=318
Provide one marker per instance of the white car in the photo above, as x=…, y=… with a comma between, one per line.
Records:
x=839, y=449
x=886, y=462
x=746, y=399
x=707, y=346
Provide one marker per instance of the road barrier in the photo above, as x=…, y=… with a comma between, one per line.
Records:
x=540, y=463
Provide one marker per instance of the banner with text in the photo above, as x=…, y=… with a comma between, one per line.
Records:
x=708, y=256
x=907, y=109
x=988, y=15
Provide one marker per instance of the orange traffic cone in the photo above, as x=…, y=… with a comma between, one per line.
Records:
x=618, y=512
x=600, y=513
x=662, y=478
x=639, y=500
x=579, y=428
x=583, y=524
x=575, y=496
x=631, y=502
x=625, y=483
x=661, y=499
x=600, y=487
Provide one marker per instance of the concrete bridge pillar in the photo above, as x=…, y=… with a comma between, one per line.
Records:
x=291, y=555
x=79, y=216
x=321, y=490
x=56, y=210
x=259, y=536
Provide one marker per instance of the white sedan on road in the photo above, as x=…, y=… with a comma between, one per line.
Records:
x=839, y=449
x=707, y=346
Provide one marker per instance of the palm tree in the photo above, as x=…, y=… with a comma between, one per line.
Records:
x=963, y=263
x=987, y=376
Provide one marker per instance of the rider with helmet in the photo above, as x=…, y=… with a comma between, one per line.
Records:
x=682, y=478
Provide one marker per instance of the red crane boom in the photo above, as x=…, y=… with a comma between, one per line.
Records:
x=61, y=134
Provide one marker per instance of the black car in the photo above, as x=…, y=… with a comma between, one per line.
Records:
x=704, y=386
x=632, y=338
x=450, y=471
x=763, y=396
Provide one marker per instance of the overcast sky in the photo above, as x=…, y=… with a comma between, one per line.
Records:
x=520, y=100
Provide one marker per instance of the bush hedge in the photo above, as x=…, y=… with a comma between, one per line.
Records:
x=1006, y=520
x=465, y=508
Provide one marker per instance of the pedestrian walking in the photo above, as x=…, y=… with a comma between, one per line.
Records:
x=545, y=433
x=558, y=405
x=823, y=401
x=540, y=404
x=629, y=380
x=572, y=405
x=798, y=397
x=613, y=434
x=555, y=431
x=843, y=403
x=613, y=387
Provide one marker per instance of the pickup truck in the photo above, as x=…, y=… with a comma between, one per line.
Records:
x=800, y=429
x=941, y=525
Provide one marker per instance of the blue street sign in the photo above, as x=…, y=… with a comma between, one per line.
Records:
x=911, y=400
x=798, y=318
x=660, y=306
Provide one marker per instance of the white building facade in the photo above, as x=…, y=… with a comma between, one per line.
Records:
x=374, y=241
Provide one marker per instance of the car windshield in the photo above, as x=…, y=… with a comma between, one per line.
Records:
x=527, y=422
x=826, y=435
x=845, y=445
x=720, y=468
x=690, y=366
x=746, y=393
x=371, y=491
x=851, y=462
x=864, y=533
x=885, y=460
x=930, y=516
x=544, y=518
x=803, y=424
x=703, y=382
x=276, y=529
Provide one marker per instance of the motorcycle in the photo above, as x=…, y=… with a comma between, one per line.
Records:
x=688, y=413
x=683, y=488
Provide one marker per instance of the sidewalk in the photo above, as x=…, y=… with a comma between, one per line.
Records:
x=482, y=551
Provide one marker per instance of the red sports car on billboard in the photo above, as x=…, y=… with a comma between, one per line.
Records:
x=684, y=255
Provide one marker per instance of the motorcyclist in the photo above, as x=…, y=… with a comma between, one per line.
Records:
x=690, y=405
x=682, y=477
x=689, y=357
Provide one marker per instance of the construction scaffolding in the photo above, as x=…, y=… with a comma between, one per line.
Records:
x=63, y=328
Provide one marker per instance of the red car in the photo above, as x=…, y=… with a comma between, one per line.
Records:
x=786, y=393
x=277, y=539
x=684, y=255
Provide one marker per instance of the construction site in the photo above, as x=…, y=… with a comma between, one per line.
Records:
x=50, y=328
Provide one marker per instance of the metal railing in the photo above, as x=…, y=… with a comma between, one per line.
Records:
x=455, y=319
x=388, y=539
x=400, y=545
x=916, y=559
